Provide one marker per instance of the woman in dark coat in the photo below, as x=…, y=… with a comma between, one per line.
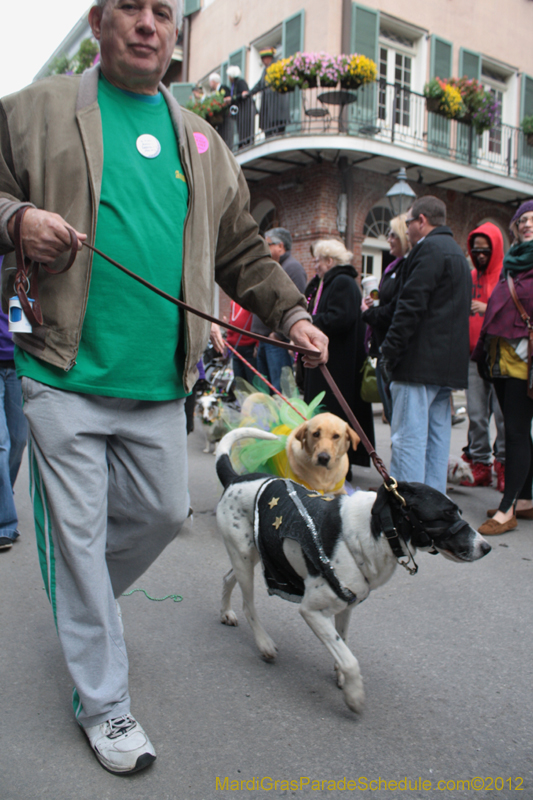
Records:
x=334, y=302
x=379, y=317
x=241, y=100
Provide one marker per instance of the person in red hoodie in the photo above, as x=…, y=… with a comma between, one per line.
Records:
x=244, y=345
x=485, y=246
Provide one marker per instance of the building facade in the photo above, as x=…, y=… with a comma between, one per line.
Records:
x=328, y=171
x=323, y=168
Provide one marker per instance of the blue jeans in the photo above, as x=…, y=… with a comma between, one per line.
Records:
x=383, y=390
x=270, y=362
x=421, y=429
x=13, y=435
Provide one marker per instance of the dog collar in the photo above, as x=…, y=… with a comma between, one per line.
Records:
x=397, y=544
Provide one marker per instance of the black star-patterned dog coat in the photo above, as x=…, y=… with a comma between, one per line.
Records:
x=286, y=510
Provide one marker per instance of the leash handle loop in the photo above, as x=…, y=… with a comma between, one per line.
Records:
x=26, y=277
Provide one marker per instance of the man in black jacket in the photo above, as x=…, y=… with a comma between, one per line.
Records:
x=426, y=350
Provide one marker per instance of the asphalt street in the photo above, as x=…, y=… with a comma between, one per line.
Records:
x=446, y=656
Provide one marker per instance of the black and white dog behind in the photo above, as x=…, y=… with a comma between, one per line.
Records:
x=327, y=553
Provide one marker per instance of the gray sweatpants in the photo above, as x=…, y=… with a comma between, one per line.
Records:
x=481, y=403
x=109, y=489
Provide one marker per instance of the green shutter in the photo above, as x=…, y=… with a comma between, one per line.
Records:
x=238, y=59
x=182, y=92
x=224, y=73
x=527, y=97
x=441, y=67
x=525, y=152
x=190, y=6
x=363, y=114
x=292, y=40
x=469, y=64
x=365, y=31
x=467, y=140
x=441, y=58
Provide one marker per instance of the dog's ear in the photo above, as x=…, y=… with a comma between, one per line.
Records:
x=300, y=433
x=353, y=437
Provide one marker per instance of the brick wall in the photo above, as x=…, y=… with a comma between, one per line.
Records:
x=306, y=204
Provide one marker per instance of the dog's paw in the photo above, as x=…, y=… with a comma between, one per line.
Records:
x=339, y=677
x=267, y=648
x=354, y=694
x=229, y=618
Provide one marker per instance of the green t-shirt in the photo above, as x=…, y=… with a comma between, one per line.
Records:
x=130, y=344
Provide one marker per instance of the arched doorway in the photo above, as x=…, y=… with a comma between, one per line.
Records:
x=375, y=251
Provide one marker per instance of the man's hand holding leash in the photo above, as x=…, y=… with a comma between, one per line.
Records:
x=45, y=235
x=304, y=334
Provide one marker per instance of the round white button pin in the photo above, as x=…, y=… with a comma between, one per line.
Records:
x=148, y=146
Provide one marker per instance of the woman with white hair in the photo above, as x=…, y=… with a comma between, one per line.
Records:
x=224, y=128
x=241, y=101
x=334, y=300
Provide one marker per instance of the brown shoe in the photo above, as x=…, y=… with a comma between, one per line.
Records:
x=524, y=513
x=493, y=528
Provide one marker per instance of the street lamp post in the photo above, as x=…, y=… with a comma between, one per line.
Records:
x=400, y=196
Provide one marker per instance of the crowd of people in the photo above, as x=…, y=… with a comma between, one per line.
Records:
x=105, y=403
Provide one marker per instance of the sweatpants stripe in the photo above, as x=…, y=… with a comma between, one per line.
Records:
x=43, y=530
x=76, y=703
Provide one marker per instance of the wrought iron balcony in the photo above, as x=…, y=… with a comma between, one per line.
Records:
x=384, y=113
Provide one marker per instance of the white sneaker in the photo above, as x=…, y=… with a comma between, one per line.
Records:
x=121, y=745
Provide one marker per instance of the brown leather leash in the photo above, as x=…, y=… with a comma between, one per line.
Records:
x=26, y=280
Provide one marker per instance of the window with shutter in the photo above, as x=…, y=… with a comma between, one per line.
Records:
x=190, y=6
x=525, y=152
x=468, y=143
x=238, y=59
x=292, y=41
x=441, y=67
x=181, y=92
x=363, y=115
x=365, y=31
x=293, y=34
x=469, y=64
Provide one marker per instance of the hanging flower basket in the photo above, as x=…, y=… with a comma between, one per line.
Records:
x=463, y=99
x=356, y=70
x=211, y=108
x=433, y=105
x=310, y=70
x=444, y=99
x=350, y=84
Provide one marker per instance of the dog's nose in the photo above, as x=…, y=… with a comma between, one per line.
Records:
x=485, y=547
x=323, y=459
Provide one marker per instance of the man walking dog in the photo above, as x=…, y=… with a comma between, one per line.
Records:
x=105, y=375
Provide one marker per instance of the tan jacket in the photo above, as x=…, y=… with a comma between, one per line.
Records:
x=51, y=157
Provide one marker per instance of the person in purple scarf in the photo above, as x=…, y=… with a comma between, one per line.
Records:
x=502, y=357
x=13, y=434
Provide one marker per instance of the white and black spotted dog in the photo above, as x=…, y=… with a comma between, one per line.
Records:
x=326, y=552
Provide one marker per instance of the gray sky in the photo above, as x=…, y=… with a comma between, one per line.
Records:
x=31, y=31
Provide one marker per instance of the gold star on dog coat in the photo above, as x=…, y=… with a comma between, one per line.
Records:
x=284, y=509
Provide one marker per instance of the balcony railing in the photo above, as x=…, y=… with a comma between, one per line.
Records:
x=382, y=112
